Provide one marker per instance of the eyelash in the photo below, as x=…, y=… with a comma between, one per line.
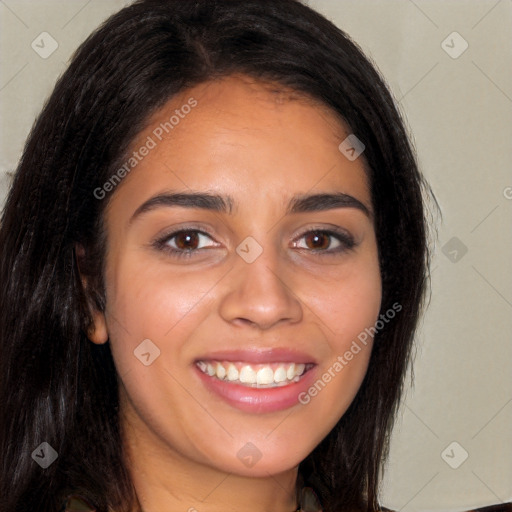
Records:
x=346, y=241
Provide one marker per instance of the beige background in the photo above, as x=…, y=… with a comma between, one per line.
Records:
x=459, y=110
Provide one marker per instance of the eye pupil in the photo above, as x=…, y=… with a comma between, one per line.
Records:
x=187, y=240
x=316, y=240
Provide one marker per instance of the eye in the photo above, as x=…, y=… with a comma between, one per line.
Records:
x=189, y=242
x=326, y=241
x=184, y=242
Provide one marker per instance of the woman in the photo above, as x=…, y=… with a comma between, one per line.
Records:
x=214, y=258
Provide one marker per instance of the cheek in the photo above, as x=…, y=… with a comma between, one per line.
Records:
x=347, y=313
x=150, y=301
x=349, y=301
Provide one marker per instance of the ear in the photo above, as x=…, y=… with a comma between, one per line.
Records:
x=97, y=332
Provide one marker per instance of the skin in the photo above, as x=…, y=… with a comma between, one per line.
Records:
x=261, y=146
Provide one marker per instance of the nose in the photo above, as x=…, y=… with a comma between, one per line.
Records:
x=259, y=295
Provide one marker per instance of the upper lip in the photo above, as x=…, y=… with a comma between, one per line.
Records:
x=259, y=356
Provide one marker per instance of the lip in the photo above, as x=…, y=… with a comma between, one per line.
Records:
x=257, y=400
x=259, y=356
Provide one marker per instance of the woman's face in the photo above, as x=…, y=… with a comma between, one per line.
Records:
x=234, y=318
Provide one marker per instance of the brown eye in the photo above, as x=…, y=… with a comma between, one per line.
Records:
x=325, y=242
x=186, y=240
x=317, y=240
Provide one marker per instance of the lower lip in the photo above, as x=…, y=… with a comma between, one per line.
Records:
x=258, y=400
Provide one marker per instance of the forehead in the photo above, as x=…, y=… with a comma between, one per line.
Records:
x=243, y=137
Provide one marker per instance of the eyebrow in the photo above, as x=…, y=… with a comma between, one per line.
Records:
x=300, y=203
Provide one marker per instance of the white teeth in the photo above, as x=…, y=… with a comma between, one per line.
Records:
x=299, y=369
x=265, y=376
x=232, y=373
x=247, y=375
x=268, y=375
x=280, y=374
x=221, y=371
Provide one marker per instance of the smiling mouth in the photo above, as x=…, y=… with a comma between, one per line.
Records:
x=270, y=375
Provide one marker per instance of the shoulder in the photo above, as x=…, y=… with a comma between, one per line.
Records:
x=500, y=507
x=76, y=503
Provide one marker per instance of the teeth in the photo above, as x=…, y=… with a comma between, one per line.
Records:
x=232, y=373
x=221, y=371
x=265, y=376
x=247, y=375
x=280, y=375
x=299, y=369
x=259, y=375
